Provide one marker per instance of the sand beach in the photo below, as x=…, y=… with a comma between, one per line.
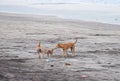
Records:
x=97, y=49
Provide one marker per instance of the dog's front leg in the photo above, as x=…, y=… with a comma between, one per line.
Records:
x=39, y=55
x=65, y=53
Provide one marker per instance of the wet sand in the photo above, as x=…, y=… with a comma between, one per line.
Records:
x=97, y=49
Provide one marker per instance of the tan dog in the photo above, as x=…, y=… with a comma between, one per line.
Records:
x=66, y=46
x=39, y=49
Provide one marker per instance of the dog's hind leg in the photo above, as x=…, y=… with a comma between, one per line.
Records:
x=73, y=51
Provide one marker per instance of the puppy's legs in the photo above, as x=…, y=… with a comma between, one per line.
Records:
x=42, y=55
x=48, y=55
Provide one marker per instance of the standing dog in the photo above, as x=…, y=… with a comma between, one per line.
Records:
x=66, y=46
x=39, y=49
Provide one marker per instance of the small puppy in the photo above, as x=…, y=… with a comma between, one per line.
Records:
x=66, y=46
x=49, y=52
x=39, y=49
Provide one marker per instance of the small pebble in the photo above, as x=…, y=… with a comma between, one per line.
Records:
x=83, y=76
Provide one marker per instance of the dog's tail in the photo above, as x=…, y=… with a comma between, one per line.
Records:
x=75, y=41
x=39, y=42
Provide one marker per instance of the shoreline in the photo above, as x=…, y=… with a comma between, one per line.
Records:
x=52, y=16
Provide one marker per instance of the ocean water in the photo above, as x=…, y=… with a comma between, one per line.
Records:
x=87, y=10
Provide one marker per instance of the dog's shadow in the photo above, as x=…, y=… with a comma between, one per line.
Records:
x=61, y=56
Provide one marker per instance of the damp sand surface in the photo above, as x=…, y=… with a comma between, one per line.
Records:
x=97, y=49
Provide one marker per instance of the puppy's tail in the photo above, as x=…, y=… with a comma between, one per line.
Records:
x=75, y=41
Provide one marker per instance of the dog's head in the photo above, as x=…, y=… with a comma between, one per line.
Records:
x=53, y=49
x=50, y=51
x=59, y=45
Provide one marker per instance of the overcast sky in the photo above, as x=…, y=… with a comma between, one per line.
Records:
x=85, y=4
x=14, y=2
x=28, y=2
